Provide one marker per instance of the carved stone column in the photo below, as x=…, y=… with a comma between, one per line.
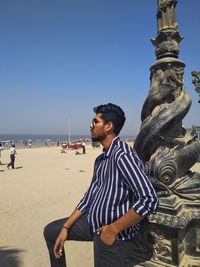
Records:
x=171, y=237
x=167, y=50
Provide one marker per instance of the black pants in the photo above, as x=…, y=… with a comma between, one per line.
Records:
x=12, y=161
x=83, y=147
x=117, y=255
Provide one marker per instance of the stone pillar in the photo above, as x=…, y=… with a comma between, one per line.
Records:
x=167, y=50
x=166, y=15
x=172, y=236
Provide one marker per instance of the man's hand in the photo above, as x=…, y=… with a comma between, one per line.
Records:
x=108, y=234
x=59, y=244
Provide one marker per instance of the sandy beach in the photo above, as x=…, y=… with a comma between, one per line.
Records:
x=45, y=185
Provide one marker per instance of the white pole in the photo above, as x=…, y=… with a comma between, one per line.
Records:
x=68, y=127
x=69, y=130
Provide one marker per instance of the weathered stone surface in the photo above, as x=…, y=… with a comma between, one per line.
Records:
x=161, y=142
x=171, y=237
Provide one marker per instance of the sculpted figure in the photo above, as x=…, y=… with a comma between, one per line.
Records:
x=166, y=14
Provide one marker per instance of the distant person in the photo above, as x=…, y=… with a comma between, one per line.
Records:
x=119, y=197
x=12, y=157
x=30, y=145
x=83, y=146
x=1, y=149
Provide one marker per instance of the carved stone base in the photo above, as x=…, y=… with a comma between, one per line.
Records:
x=171, y=237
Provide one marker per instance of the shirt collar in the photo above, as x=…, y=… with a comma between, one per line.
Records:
x=111, y=147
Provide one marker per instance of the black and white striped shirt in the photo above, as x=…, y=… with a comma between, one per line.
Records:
x=119, y=183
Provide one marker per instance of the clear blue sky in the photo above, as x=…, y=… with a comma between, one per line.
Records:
x=60, y=58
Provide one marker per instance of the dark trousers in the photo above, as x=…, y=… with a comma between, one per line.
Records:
x=118, y=254
x=83, y=147
x=12, y=161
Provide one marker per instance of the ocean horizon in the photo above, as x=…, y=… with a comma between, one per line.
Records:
x=39, y=139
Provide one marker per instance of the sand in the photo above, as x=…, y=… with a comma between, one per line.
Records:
x=46, y=185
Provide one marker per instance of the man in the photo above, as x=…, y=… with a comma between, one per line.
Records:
x=1, y=149
x=83, y=146
x=12, y=157
x=119, y=197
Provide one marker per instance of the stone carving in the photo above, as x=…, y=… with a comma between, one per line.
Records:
x=161, y=245
x=154, y=129
x=198, y=240
x=162, y=142
x=175, y=221
x=164, y=82
x=168, y=37
x=167, y=43
x=169, y=153
x=168, y=158
x=166, y=15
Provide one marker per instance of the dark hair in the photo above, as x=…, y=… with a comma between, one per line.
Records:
x=113, y=113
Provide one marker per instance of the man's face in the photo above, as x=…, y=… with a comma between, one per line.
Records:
x=97, y=127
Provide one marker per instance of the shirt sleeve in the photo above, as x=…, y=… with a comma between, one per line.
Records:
x=133, y=175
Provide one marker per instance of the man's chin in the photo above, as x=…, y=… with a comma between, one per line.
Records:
x=95, y=139
x=98, y=138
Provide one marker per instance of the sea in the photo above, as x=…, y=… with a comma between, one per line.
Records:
x=36, y=140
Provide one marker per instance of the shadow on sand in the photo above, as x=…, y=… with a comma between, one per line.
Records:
x=9, y=257
x=20, y=167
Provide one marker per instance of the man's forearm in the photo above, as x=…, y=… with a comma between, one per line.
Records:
x=76, y=214
x=128, y=219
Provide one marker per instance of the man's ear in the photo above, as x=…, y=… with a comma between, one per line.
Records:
x=109, y=127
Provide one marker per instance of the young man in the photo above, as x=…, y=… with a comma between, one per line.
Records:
x=119, y=197
x=12, y=157
x=83, y=146
x=1, y=149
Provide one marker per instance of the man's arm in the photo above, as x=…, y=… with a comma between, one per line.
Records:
x=76, y=214
x=133, y=174
x=145, y=198
x=108, y=233
x=63, y=235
